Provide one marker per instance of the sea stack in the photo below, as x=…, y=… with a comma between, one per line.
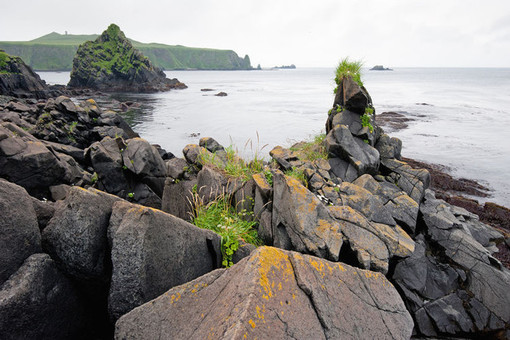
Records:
x=112, y=64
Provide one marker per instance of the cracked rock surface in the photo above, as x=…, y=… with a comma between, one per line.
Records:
x=275, y=294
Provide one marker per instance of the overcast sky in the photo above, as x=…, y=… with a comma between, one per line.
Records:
x=448, y=33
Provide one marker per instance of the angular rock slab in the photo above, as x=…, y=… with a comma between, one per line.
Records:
x=39, y=302
x=26, y=161
x=19, y=229
x=301, y=222
x=76, y=236
x=452, y=284
x=341, y=143
x=153, y=251
x=373, y=244
x=274, y=294
x=413, y=181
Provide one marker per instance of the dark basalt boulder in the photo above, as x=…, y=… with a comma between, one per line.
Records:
x=19, y=232
x=112, y=64
x=18, y=80
x=39, y=302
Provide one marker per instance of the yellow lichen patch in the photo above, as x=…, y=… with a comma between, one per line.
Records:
x=260, y=312
x=296, y=187
x=260, y=181
x=272, y=263
x=252, y=323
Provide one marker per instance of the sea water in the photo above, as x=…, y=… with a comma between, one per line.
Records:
x=461, y=117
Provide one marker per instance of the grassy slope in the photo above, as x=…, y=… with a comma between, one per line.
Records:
x=56, y=52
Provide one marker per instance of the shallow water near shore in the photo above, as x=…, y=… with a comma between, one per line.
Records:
x=460, y=116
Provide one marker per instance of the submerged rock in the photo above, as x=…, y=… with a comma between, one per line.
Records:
x=275, y=294
x=112, y=64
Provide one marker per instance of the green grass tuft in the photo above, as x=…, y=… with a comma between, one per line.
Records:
x=297, y=174
x=311, y=150
x=349, y=68
x=222, y=218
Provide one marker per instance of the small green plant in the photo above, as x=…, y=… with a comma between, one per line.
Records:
x=311, y=150
x=94, y=178
x=297, y=174
x=366, y=119
x=72, y=126
x=221, y=217
x=124, y=167
x=131, y=194
x=348, y=68
x=269, y=176
x=194, y=189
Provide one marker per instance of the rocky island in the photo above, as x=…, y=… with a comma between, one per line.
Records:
x=103, y=235
x=112, y=64
x=380, y=68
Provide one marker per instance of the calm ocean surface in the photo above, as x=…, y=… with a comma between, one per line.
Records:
x=465, y=125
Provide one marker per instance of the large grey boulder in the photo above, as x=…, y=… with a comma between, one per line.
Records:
x=39, y=302
x=19, y=230
x=26, y=161
x=274, y=294
x=340, y=143
x=76, y=236
x=301, y=222
x=151, y=252
x=144, y=160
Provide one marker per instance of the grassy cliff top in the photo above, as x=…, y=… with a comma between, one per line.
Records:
x=55, y=38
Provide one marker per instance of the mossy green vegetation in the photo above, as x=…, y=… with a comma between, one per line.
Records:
x=232, y=165
x=55, y=52
x=346, y=68
x=311, y=150
x=222, y=217
x=366, y=119
x=4, y=59
x=298, y=174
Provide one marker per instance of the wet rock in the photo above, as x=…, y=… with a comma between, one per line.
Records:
x=340, y=143
x=19, y=230
x=301, y=222
x=275, y=294
x=153, y=251
x=76, y=235
x=176, y=168
x=39, y=302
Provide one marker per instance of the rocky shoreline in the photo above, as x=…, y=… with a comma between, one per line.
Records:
x=99, y=235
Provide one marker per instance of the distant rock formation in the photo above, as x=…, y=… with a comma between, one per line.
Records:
x=291, y=66
x=19, y=80
x=112, y=64
x=380, y=68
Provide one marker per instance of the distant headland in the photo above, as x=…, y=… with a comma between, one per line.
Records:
x=55, y=52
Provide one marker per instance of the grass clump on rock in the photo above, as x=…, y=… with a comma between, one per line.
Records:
x=348, y=68
x=223, y=218
x=311, y=150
